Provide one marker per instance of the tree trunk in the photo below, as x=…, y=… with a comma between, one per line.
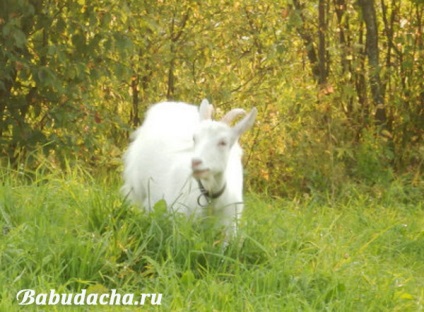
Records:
x=343, y=24
x=361, y=83
x=318, y=61
x=370, y=19
x=345, y=42
x=134, y=115
x=174, y=37
x=308, y=41
x=322, y=49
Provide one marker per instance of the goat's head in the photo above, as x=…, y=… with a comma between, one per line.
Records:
x=213, y=140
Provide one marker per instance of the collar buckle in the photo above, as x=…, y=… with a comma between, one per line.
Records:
x=207, y=195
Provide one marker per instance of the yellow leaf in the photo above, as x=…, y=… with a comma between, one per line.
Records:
x=404, y=295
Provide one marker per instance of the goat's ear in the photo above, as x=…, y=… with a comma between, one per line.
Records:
x=246, y=123
x=205, y=110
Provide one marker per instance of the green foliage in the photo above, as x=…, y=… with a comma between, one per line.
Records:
x=69, y=232
x=53, y=79
x=373, y=161
x=77, y=76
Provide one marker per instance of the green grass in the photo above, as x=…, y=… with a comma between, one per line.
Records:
x=69, y=232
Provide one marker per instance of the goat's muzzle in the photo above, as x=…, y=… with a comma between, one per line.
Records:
x=198, y=170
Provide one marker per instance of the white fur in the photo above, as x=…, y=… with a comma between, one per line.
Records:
x=175, y=143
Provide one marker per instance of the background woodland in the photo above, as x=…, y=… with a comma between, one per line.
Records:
x=338, y=84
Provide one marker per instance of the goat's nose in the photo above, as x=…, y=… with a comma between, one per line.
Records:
x=196, y=162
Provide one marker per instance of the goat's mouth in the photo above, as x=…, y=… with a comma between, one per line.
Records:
x=200, y=173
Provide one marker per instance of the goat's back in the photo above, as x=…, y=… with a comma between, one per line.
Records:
x=170, y=121
x=160, y=148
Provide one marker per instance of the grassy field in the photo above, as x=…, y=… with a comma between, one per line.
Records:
x=69, y=232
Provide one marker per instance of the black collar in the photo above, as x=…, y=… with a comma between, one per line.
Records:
x=208, y=196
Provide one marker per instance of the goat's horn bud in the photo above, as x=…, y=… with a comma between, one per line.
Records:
x=232, y=114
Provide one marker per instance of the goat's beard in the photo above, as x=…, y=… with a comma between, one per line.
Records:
x=212, y=181
x=201, y=174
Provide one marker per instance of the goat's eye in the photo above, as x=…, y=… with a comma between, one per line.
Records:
x=222, y=143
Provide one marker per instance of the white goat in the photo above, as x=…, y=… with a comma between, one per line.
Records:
x=181, y=155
